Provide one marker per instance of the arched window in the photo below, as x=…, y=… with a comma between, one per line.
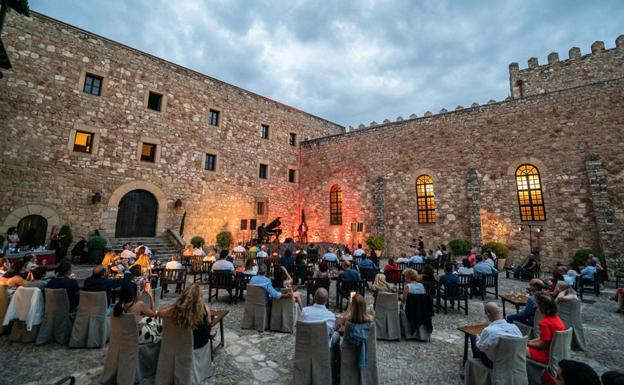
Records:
x=335, y=205
x=32, y=230
x=530, y=197
x=425, y=199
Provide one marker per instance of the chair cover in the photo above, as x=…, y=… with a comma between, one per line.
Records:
x=559, y=350
x=312, y=355
x=536, y=320
x=26, y=308
x=122, y=358
x=509, y=366
x=156, y=292
x=570, y=314
x=255, y=312
x=350, y=374
x=417, y=306
x=526, y=330
x=4, y=305
x=178, y=362
x=387, y=322
x=284, y=315
x=91, y=325
x=56, y=326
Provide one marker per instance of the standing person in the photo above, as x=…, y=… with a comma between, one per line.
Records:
x=80, y=250
x=539, y=348
x=483, y=347
x=421, y=245
x=144, y=314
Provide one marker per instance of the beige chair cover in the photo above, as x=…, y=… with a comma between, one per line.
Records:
x=91, y=325
x=350, y=374
x=122, y=357
x=4, y=304
x=570, y=314
x=421, y=334
x=156, y=293
x=559, y=350
x=284, y=315
x=255, y=312
x=26, y=311
x=178, y=362
x=387, y=322
x=312, y=355
x=509, y=366
x=56, y=326
x=536, y=320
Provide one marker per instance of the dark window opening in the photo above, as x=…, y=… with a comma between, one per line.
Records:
x=292, y=175
x=264, y=131
x=292, y=139
x=264, y=171
x=259, y=208
x=213, y=118
x=211, y=162
x=252, y=224
x=92, y=85
x=243, y=224
x=154, y=101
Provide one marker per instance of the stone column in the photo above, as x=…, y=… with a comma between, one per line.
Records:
x=379, y=193
x=474, y=202
x=605, y=219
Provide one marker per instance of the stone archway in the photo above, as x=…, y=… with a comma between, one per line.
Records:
x=14, y=218
x=109, y=218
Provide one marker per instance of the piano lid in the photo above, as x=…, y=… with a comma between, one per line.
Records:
x=273, y=224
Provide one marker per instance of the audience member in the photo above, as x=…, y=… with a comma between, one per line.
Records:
x=481, y=267
x=472, y=258
x=381, y=285
x=527, y=315
x=30, y=261
x=318, y=313
x=613, y=377
x=417, y=258
x=223, y=263
x=321, y=271
x=98, y=281
x=287, y=260
x=619, y=298
x=15, y=276
x=262, y=280
x=346, y=256
x=576, y=373
x=391, y=265
x=565, y=293
x=539, y=348
x=251, y=267
x=484, y=346
x=150, y=328
x=37, y=278
x=146, y=249
x=403, y=258
x=190, y=312
x=330, y=256
x=349, y=273
x=428, y=273
x=412, y=286
x=358, y=327
x=174, y=263
x=526, y=268
x=449, y=278
x=127, y=254
x=143, y=260
x=366, y=263
x=64, y=280
x=588, y=274
x=465, y=268
x=262, y=253
x=359, y=251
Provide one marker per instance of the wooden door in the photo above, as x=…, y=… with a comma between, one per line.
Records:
x=137, y=215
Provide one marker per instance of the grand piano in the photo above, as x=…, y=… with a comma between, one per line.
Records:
x=272, y=229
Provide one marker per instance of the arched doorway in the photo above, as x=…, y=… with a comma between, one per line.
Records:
x=32, y=230
x=136, y=215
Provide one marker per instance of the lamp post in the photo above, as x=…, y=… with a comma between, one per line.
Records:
x=530, y=226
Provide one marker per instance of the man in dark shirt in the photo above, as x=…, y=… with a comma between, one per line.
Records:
x=99, y=282
x=63, y=281
x=349, y=273
x=449, y=278
x=287, y=260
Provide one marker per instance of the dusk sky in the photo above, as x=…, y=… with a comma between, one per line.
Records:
x=353, y=61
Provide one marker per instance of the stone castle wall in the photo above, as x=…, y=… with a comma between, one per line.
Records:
x=577, y=70
x=555, y=132
x=41, y=101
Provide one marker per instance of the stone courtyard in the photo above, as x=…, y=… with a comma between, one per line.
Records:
x=267, y=358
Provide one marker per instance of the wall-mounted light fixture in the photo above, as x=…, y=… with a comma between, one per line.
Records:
x=96, y=198
x=178, y=203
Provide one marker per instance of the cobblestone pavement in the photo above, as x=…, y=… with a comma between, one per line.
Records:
x=266, y=358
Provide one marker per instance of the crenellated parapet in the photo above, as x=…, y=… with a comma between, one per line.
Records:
x=599, y=65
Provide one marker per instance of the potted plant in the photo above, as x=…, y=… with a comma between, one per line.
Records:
x=501, y=251
x=197, y=241
x=375, y=242
x=65, y=238
x=224, y=240
x=459, y=247
x=96, y=245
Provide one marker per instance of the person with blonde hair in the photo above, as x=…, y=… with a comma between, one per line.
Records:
x=412, y=284
x=381, y=285
x=190, y=312
x=359, y=325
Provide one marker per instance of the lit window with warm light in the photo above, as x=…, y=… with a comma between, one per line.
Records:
x=530, y=196
x=148, y=152
x=425, y=199
x=83, y=142
x=335, y=205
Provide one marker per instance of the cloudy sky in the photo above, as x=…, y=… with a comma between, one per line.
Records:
x=353, y=61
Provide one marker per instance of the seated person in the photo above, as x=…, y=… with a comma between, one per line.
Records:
x=366, y=263
x=588, y=274
x=448, y=278
x=619, y=298
x=146, y=249
x=526, y=268
x=391, y=265
x=318, y=313
x=430, y=257
x=127, y=254
x=550, y=287
x=539, y=348
x=381, y=285
x=527, y=314
x=143, y=260
x=262, y=280
x=145, y=314
x=412, y=284
x=30, y=261
x=262, y=253
x=428, y=273
x=358, y=326
x=4, y=266
x=347, y=256
x=190, y=312
x=330, y=256
x=287, y=260
x=359, y=251
x=565, y=293
x=612, y=377
x=465, y=268
x=198, y=250
x=570, y=276
x=349, y=273
x=300, y=259
x=484, y=346
x=64, y=280
x=578, y=373
x=174, y=263
x=481, y=267
x=417, y=258
x=321, y=271
x=37, y=278
x=403, y=258
x=15, y=276
x=188, y=251
x=472, y=258
x=251, y=267
x=98, y=281
x=488, y=259
x=223, y=263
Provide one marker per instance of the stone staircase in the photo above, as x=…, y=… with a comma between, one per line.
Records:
x=161, y=246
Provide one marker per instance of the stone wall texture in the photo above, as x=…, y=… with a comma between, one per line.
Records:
x=41, y=102
x=568, y=122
